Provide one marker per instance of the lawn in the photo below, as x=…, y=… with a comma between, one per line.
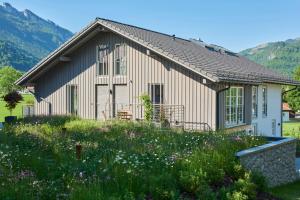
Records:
x=288, y=192
x=17, y=111
x=121, y=160
x=292, y=128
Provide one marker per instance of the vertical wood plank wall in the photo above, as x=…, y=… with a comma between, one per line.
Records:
x=182, y=86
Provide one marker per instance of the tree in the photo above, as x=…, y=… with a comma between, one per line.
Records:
x=293, y=97
x=8, y=76
x=12, y=99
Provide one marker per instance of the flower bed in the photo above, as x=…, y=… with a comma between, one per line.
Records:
x=121, y=160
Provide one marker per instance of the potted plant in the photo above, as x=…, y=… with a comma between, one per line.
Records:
x=12, y=99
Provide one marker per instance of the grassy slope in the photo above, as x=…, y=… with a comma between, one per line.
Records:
x=288, y=192
x=17, y=111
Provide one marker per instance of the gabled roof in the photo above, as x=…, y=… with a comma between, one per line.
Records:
x=212, y=62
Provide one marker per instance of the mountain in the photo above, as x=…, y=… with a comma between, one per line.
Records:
x=282, y=56
x=25, y=37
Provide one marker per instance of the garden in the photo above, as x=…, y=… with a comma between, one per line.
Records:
x=70, y=158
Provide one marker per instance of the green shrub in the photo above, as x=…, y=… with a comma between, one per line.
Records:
x=58, y=120
x=148, y=107
x=246, y=187
x=259, y=180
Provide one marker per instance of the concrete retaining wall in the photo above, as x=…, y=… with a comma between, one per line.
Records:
x=275, y=160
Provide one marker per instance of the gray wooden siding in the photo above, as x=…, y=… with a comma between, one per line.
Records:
x=182, y=87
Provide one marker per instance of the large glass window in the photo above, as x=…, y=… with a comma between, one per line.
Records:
x=102, y=60
x=120, y=67
x=72, y=99
x=265, y=101
x=234, y=106
x=254, y=101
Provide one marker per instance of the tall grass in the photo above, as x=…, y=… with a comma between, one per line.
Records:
x=120, y=160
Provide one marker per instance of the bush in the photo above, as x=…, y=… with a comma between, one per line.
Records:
x=59, y=120
x=260, y=181
x=12, y=99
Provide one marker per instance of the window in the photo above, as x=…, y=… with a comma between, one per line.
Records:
x=234, y=106
x=265, y=101
x=254, y=102
x=156, y=92
x=120, y=59
x=72, y=99
x=102, y=61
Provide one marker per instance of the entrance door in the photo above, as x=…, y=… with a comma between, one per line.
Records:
x=120, y=99
x=102, y=99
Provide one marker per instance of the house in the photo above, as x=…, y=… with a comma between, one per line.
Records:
x=287, y=112
x=102, y=71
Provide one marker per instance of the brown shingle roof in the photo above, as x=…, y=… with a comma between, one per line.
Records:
x=224, y=65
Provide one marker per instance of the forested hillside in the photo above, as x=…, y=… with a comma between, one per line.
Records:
x=25, y=37
x=283, y=56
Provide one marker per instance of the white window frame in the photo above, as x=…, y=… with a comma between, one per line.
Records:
x=234, y=106
x=264, y=101
x=254, y=102
x=102, y=60
x=120, y=65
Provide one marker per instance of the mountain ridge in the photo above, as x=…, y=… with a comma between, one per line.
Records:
x=283, y=56
x=27, y=35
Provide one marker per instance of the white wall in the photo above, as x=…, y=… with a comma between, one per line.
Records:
x=264, y=124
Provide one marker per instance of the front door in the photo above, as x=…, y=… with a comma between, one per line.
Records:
x=103, y=105
x=120, y=99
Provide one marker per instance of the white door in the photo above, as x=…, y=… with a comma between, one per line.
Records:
x=103, y=105
x=120, y=99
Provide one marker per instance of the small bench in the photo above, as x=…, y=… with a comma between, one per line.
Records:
x=124, y=115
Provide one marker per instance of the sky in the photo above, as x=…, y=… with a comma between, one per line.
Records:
x=234, y=24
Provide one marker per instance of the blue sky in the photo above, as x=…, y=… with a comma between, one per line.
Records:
x=234, y=24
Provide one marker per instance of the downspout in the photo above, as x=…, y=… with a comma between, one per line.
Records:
x=218, y=106
x=283, y=93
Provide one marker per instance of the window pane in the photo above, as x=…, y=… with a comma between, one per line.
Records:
x=254, y=101
x=72, y=99
x=265, y=105
x=120, y=59
x=234, y=106
x=102, y=60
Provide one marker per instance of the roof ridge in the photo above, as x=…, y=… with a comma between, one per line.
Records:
x=145, y=29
